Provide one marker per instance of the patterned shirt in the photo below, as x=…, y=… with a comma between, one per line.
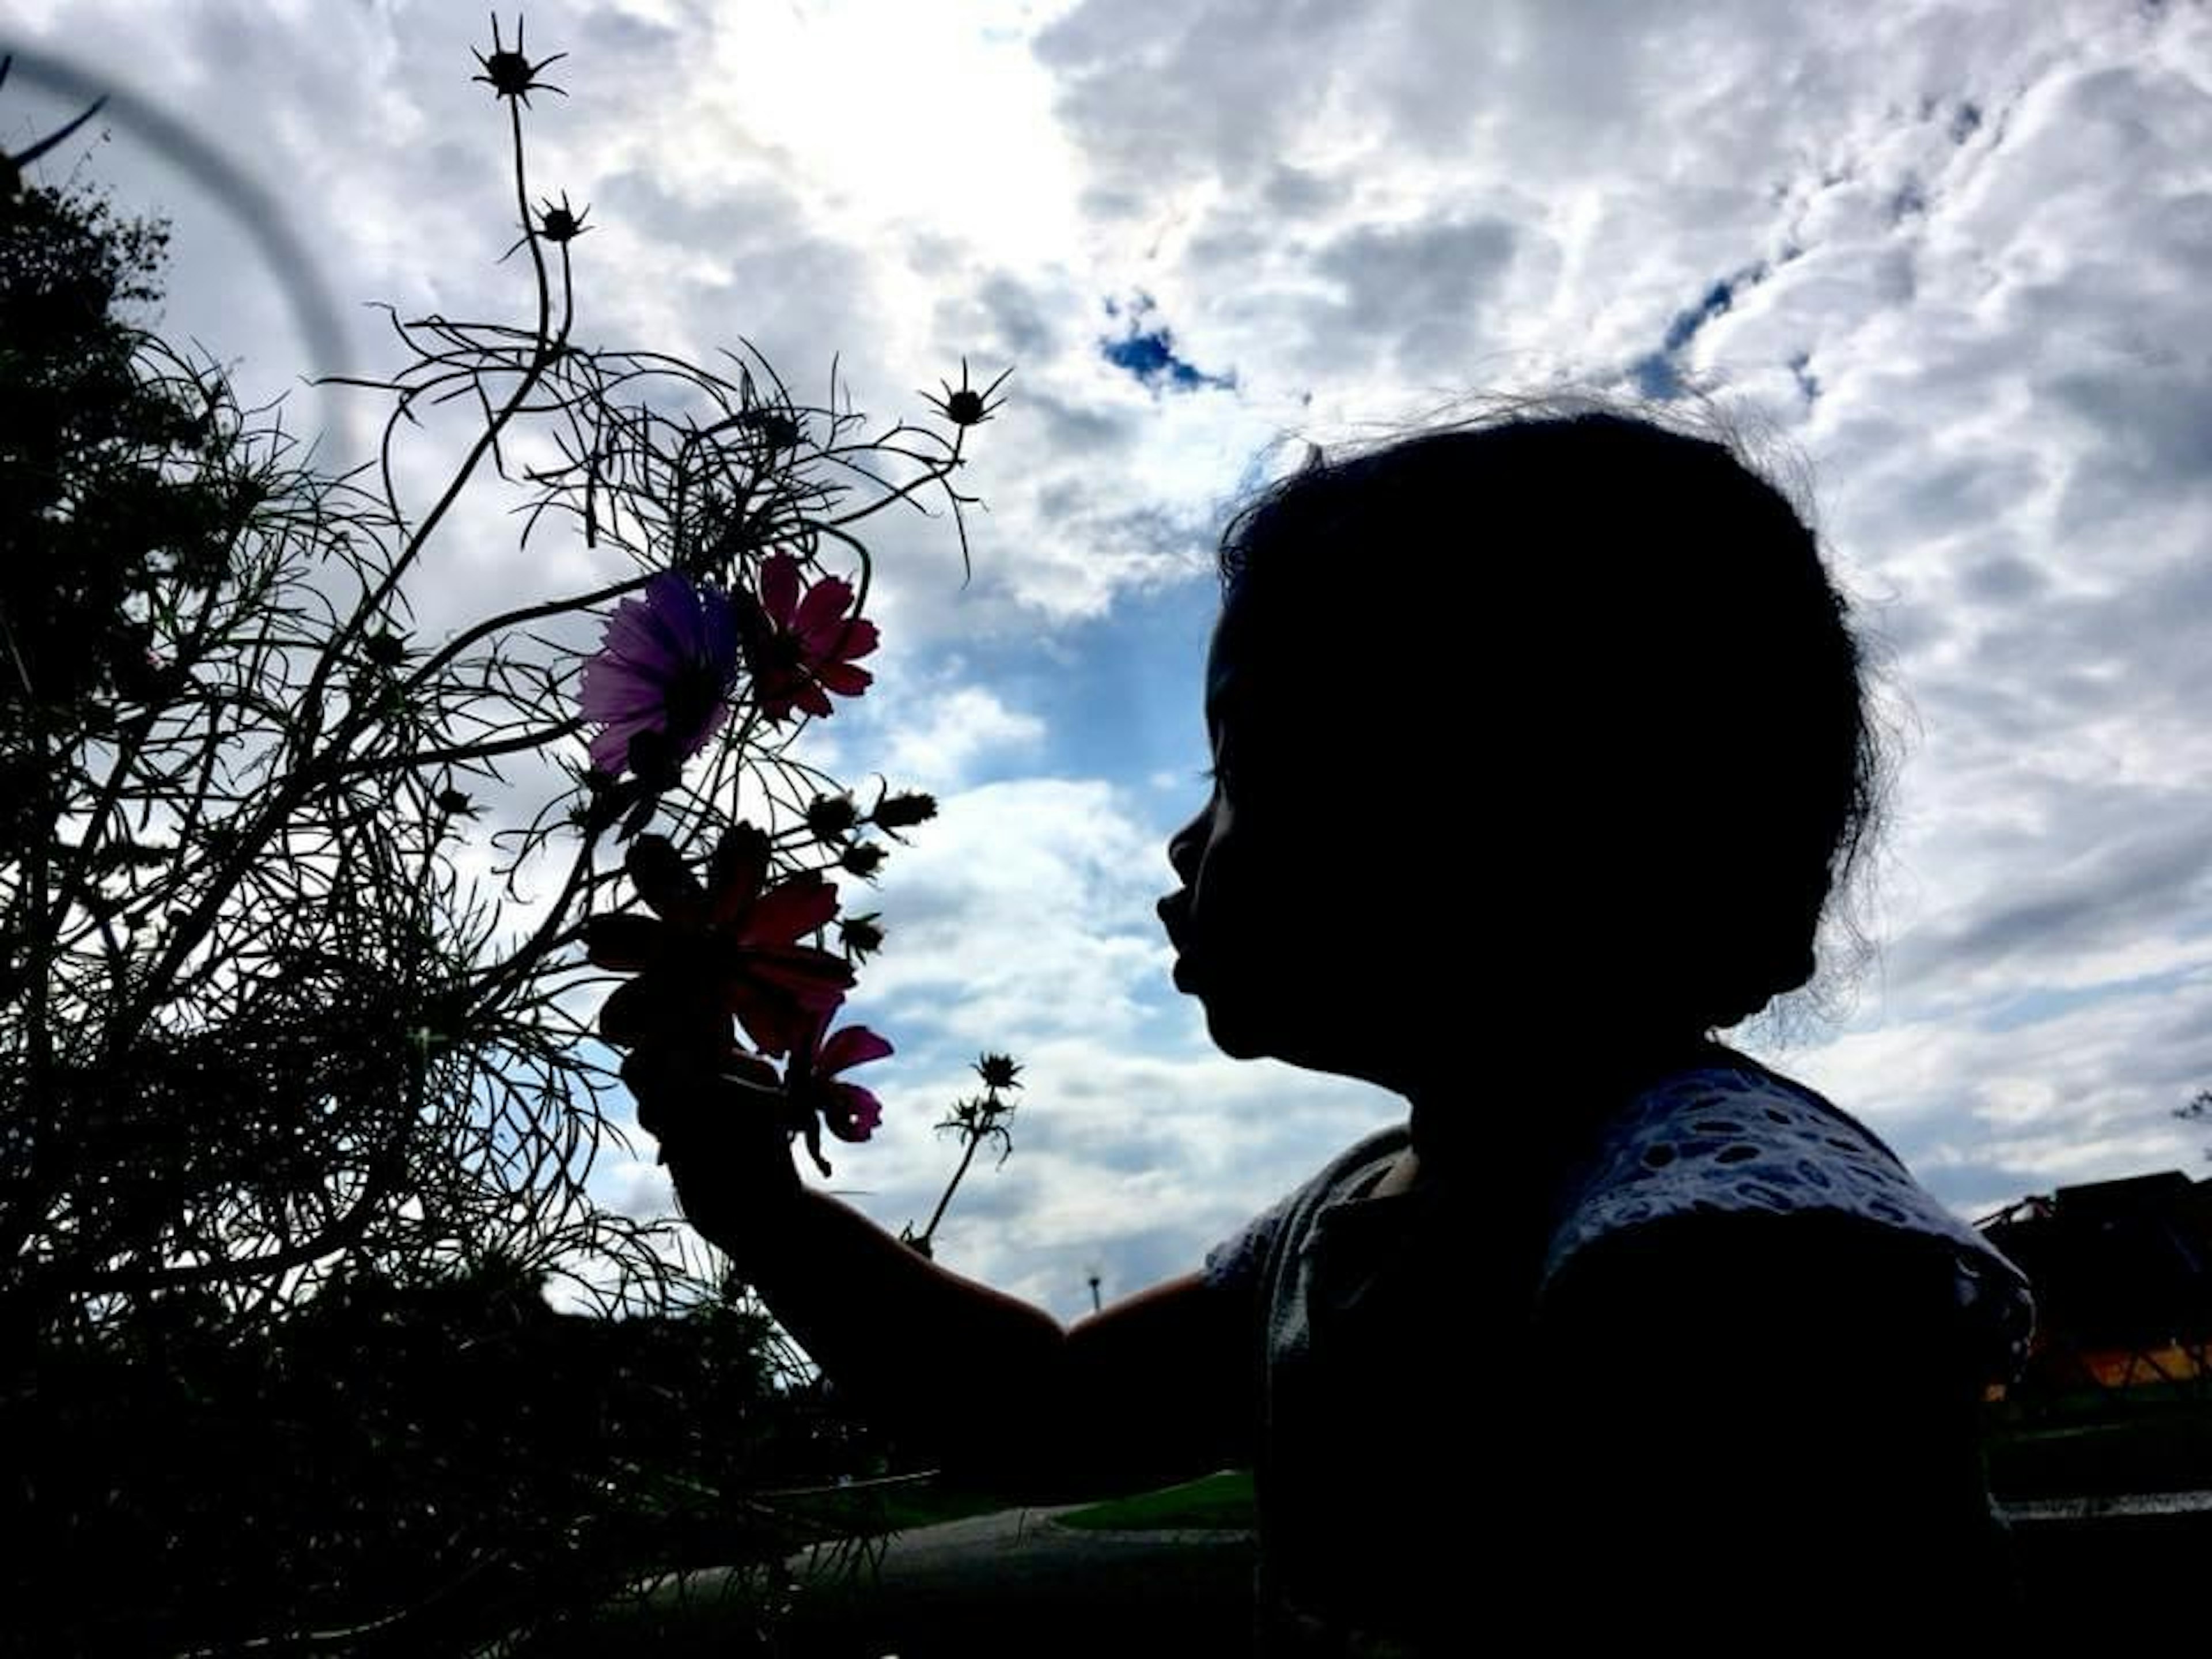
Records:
x=1408, y=1366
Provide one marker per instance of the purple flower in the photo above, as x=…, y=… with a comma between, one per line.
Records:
x=666, y=665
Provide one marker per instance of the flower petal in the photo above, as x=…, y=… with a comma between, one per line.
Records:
x=735, y=872
x=791, y=908
x=844, y=679
x=614, y=690
x=655, y=1008
x=624, y=943
x=860, y=638
x=817, y=621
x=777, y=1024
x=641, y=637
x=852, y=1112
x=691, y=739
x=798, y=974
x=658, y=871
x=609, y=751
x=674, y=604
x=855, y=1045
x=779, y=588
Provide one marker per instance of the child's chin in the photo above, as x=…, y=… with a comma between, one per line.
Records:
x=1234, y=1037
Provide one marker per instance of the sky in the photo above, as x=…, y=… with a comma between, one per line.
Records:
x=1949, y=258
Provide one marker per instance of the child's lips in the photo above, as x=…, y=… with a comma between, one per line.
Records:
x=1170, y=911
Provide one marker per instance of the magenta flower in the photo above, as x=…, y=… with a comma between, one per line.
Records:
x=806, y=648
x=812, y=1098
x=729, y=947
x=664, y=665
x=851, y=1112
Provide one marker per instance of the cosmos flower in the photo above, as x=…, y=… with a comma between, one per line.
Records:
x=806, y=646
x=850, y=1112
x=665, y=666
x=812, y=1098
x=728, y=948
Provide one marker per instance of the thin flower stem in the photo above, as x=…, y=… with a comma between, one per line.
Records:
x=967, y=1156
x=312, y=769
x=545, y=351
x=529, y=954
x=515, y=618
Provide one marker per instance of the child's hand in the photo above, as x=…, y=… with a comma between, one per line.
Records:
x=727, y=1149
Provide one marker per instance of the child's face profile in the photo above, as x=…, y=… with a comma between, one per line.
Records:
x=1281, y=954
x=1307, y=940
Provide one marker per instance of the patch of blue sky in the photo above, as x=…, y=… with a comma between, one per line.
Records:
x=1145, y=350
x=1122, y=696
x=2035, y=1006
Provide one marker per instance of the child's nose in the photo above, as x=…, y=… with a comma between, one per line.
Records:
x=1184, y=847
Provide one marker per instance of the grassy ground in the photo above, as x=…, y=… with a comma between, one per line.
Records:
x=2140, y=1444
x=2094, y=1446
x=1219, y=1501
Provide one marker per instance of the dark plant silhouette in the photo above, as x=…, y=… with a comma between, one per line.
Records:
x=975, y=1119
x=2199, y=1110
x=271, y=1065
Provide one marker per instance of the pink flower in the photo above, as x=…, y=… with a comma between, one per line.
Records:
x=665, y=666
x=806, y=646
x=728, y=948
x=811, y=1098
x=851, y=1112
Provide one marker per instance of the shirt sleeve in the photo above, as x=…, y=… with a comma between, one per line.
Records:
x=1732, y=1143
x=1239, y=1262
x=1236, y=1264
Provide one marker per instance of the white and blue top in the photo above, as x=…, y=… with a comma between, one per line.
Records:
x=1413, y=1351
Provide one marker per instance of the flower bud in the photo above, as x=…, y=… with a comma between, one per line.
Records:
x=831, y=817
x=384, y=648
x=903, y=811
x=863, y=935
x=999, y=1071
x=863, y=858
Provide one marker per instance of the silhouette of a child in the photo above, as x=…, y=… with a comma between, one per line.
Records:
x=1540, y=747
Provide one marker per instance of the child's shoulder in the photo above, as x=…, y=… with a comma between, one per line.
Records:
x=1349, y=1176
x=1733, y=1139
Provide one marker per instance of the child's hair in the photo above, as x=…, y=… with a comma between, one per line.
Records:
x=1626, y=621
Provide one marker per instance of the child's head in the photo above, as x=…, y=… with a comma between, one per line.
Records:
x=1552, y=720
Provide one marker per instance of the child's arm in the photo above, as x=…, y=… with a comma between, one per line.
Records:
x=1150, y=1390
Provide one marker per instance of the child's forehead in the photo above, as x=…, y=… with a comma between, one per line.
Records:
x=1228, y=670
x=1218, y=677
x=1245, y=679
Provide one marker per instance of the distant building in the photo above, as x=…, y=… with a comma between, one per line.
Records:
x=2122, y=1278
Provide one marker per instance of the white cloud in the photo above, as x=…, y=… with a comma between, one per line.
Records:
x=954, y=730
x=1024, y=911
x=1961, y=249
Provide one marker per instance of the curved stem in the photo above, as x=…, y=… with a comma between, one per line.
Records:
x=967, y=1156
